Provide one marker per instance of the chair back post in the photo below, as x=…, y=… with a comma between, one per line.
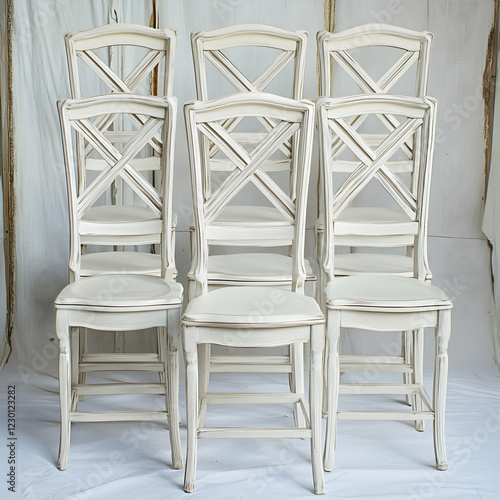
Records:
x=168, y=268
x=301, y=178
x=71, y=191
x=427, y=147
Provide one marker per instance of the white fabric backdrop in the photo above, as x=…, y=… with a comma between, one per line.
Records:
x=459, y=254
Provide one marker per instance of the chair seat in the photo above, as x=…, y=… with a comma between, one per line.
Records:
x=99, y=263
x=385, y=294
x=126, y=290
x=121, y=217
x=374, y=221
x=250, y=216
x=370, y=263
x=251, y=267
x=252, y=307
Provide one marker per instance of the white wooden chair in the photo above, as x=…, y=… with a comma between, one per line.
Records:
x=122, y=302
x=230, y=316
x=382, y=302
x=347, y=66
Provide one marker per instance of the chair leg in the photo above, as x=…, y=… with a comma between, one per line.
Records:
x=172, y=379
x=62, y=329
x=315, y=397
x=297, y=381
x=418, y=373
x=333, y=376
x=320, y=238
x=324, y=409
x=407, y=349
x=82, y=349
x=204, y=351
x=191, y=358
x=443, y=333
x=160, y=343
x=75, y=362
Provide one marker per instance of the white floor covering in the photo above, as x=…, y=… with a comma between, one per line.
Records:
x=374, y=460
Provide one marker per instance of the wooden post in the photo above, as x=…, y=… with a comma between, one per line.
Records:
x=7, y=175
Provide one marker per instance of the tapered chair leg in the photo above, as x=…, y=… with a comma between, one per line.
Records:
x=333, y=377
x=324, y=409
x=320, y=241
x=418, y=374
x=162, y=356
x=297, y=381
x=64, y=389
x=320, y=238
x=75, y=362
x=443, y=333
x=191, y=359
x=204, y=351
x=82, y=349
x=172, y=371
x=407, y=348
x=315, y=397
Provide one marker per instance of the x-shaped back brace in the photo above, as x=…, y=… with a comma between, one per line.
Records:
x=368, y=85
x=118, y=164
x=373, y=165
x=243, y=84
x=143, y=68
x=248, y=168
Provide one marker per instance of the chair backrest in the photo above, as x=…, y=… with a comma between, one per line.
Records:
x=160, y=46
x=335, y=50
x=213, y=45
x=289, y=117
x=153, y=120
x=416, y=124
x=210, y=45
